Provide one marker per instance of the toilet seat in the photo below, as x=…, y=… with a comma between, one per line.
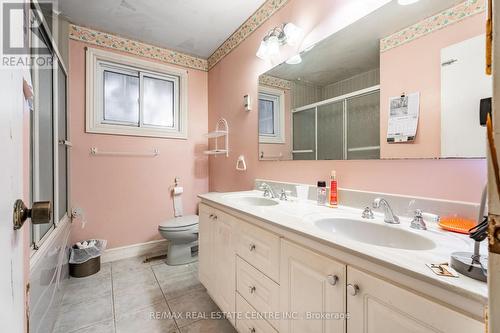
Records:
x=180, y=223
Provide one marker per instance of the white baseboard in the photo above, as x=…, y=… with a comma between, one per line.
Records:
x=156, y=247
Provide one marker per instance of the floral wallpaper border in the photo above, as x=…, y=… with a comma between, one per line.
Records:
x=450, y=16
x=134, y=47
x=276, y=82
x=251, y=24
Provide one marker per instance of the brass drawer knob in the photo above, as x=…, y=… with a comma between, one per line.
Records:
x=40, y=213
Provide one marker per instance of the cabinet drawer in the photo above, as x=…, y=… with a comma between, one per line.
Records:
x=259, y=291
x=248, y=320
x=260, y=248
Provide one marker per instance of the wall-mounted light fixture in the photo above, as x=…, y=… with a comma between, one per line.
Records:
x=285, y=34
x=407, y=2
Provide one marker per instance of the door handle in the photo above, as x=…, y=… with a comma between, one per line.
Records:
x=40, y=213
x=66, y=143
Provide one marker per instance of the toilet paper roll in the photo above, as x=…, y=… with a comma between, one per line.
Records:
x=177, y=191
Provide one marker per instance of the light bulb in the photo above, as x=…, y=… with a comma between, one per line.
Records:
x=262, y=52
x=273, y=46
x=407, y=2
x=293, y=34
x=295, y=60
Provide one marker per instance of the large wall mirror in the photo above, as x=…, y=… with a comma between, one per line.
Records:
x=402, y=82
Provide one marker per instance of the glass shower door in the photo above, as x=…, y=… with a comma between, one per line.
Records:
x=331, y=131
x=363, y=127
x=304, y=134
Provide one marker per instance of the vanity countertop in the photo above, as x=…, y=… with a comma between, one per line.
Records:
x=299, y=216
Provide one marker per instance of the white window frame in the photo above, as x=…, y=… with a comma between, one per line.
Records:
x=279, y=116
x=97, y=59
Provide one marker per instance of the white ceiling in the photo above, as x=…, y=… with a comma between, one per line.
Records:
x=355, y=49
x=196, y=27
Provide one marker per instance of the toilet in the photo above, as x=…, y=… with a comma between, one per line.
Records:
x=182, y=236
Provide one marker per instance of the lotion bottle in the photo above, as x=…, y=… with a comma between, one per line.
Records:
x=334, y=194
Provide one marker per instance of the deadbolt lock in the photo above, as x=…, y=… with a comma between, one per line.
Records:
x=40, y=213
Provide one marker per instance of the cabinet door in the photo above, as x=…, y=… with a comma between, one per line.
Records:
x=225, y=266
x=380, y=306
x=312, y=289
x=206, y=270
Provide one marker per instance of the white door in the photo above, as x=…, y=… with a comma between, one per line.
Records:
x=225, y=268
x=312, y=286
x=462, y=64
x=379, y=306
x=11, y=188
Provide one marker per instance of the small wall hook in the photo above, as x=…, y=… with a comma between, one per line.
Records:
x=248, y=103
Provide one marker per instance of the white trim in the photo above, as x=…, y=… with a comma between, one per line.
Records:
x=156, y=247
x=93, y=123
x=338, y=98
x=279, y=138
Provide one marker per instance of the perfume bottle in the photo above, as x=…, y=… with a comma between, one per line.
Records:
x=321, y=194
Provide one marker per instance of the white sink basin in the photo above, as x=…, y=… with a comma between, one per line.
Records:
x=375, y=234
x=254, y=201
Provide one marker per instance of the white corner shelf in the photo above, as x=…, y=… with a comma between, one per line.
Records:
x=216, y=152
x=221, y=131
x=215, y=134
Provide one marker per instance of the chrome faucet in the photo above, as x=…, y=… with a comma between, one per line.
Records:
x=418, y=221
x=284, y=195
x=268, y=191
x=389, y=217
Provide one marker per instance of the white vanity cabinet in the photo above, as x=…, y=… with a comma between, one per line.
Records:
x=217, y=268
x=312, y=286
x=375, y=305
x=254, y=270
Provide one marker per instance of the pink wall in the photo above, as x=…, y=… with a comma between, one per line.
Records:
x=237, y=75
x=125, y=198
x=413, y=67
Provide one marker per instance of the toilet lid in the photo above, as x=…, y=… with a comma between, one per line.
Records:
x=179, y=222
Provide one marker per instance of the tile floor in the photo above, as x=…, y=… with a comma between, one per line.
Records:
x=132, y=296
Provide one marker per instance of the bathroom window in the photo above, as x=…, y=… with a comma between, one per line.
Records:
x=129, y=96
x=271, y=115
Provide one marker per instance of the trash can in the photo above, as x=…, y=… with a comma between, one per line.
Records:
x=85, y=258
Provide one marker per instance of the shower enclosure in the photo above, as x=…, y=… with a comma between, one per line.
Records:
x=341, y=128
